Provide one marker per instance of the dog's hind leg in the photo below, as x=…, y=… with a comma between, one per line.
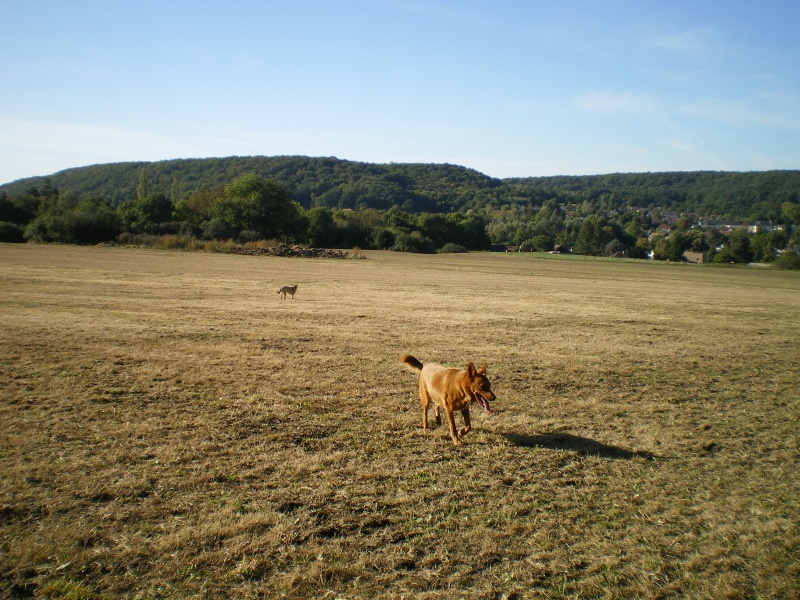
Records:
x=425, y=400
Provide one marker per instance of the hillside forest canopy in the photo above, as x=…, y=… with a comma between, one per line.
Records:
x=328, y=202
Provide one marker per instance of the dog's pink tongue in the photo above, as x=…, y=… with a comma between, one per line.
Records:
x=485, y=405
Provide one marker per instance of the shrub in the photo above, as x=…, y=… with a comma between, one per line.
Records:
x=216, y=229
x=70, y=220
x=724, y=256
x=357, y=252
x=540, y=243
x=383, y=238
x=452, y=248
x=176, y=242
x=262, y=244
x=183, y=228
x=138, y=239
x=226, y=246
x=11, y=233
x=413, y=242
x=788, y=261
x=249, y=236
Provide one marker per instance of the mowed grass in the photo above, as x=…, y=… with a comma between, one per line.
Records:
x=172, y=429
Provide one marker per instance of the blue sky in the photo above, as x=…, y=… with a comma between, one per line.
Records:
x=510, y=88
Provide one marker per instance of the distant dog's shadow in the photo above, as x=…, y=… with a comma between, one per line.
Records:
x=574, y=443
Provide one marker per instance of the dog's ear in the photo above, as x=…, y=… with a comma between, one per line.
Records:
x=482, y=370
x=471, y=370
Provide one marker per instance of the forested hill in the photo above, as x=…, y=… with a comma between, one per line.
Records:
x=335, y=183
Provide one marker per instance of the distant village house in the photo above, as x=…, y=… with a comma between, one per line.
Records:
x=695, y=257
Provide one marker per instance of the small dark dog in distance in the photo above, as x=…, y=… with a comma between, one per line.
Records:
x=287, y=289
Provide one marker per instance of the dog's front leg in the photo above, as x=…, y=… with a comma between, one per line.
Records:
x=467, y=427
x=451, y=421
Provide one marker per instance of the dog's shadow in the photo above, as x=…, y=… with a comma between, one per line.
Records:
x=574, y=443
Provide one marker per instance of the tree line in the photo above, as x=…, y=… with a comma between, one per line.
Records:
x=418, y=208
x=248, y=209
x=338, y=184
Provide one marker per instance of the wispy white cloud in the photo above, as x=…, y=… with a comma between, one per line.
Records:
x=695, y=42
x=765, y=111
x=76, y=139
x=776, y=112
x=627, y=103
x=50, y=147
x=447, y=10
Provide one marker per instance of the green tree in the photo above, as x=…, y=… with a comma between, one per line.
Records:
x=538, y=243
x=252, y=203
x=175, y=191
x=398, y=219
x=413, y=241
x=788, y=260
x=321, y=232
x=71, y=220
x=383, y=238
x=196, y=207
x=142, y=214
x=740, y=246
x=18, y=210
x=696, y=240
x=641, y=249
x=671, y=247
x=790, y=213
x=592, y=237
x=765, y=244
x=724, y=256
x=11, y=233
x=472, y=232
x=143, y=189
x=437, y=228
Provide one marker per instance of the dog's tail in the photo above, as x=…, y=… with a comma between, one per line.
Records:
x=411, y=362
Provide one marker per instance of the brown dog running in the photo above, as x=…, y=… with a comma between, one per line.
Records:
x=450, y=389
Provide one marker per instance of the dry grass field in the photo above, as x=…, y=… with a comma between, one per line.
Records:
x=172, y=429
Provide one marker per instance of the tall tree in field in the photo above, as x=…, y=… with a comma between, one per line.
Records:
x=143, y=189
x=740, y=246
x=175, y=191
x=591, y=238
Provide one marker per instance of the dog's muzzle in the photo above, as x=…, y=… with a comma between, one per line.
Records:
x=484, y=402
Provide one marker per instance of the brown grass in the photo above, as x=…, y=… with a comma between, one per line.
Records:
x=172, y=429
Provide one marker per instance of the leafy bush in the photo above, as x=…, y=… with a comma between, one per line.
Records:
x=217, y=229
x=11, y=233
x=413, y=241
x=175, y=242
x=383, y=238
x=68, y=220
x=138, y=239
x=452, y=248
x=789, y=260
